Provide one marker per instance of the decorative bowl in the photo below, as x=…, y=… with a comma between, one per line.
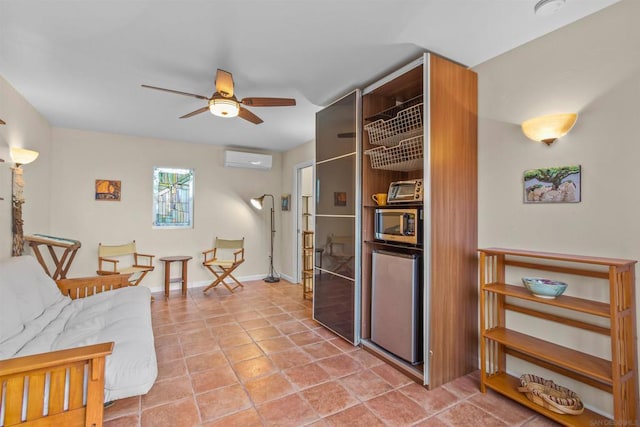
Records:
x=544, y=288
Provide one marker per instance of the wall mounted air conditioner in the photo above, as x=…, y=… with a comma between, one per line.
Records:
x=241, y=159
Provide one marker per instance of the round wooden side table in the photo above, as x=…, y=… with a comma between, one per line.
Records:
x=167, y=273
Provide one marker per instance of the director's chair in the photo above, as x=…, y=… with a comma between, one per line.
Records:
x=225, y=257
x=109, y=257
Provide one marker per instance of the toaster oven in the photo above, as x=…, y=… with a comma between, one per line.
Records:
x=405, y=191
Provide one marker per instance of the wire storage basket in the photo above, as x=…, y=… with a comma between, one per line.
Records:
x=406, y=156
x=406, y=124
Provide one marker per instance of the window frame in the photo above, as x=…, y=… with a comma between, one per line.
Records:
x=155, y=205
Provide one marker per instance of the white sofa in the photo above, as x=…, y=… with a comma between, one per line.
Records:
x=36, y=317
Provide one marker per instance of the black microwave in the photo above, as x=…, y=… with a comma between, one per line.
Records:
x=403, y=225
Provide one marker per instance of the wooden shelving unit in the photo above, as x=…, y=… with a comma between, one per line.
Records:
x=307, y=250
x=307, y=264
x=617, y=376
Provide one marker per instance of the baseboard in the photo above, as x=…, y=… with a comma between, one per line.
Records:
x=288, y=278
x=203, y=283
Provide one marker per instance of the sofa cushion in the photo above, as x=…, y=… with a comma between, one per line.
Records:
x=32, y=339
x=33, y=289
x=10, y=320
x=122, y=316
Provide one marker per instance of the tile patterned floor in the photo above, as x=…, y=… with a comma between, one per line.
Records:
x=257, y=358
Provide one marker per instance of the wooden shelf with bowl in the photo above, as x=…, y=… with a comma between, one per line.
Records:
x=618, y=376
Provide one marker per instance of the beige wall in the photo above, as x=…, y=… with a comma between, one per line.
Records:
x=221, y=204
x=25, y=128
x=288, y=236
x=593, y=68
x=60, y=200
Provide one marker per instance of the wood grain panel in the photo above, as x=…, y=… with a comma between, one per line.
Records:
x=35, y=404
x=453, y=179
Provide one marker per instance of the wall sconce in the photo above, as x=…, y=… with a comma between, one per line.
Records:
x=549, y=128
x=20, y=156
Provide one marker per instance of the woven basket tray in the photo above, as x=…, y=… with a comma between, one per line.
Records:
x=550, y=395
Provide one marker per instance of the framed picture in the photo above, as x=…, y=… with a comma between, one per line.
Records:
x=107, y=189
x=340, y=198
x=553, y=185
x=286, y=199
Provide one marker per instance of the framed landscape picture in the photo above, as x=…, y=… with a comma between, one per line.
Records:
x=553, y=185
x=107, y=189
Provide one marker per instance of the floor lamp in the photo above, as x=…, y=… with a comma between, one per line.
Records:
x=257, y=203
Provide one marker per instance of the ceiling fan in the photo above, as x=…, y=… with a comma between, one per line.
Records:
x=223, y=102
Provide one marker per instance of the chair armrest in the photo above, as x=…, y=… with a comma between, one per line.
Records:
x=52, y=374
x=114, y=264
x=238, y=252
x=211, y=252
x=149, y=259
x=85, y=286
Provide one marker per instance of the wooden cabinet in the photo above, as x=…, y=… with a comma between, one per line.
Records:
x=617, y=375
x=441, y=150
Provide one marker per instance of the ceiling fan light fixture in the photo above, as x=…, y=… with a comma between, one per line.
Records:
x=223, y=107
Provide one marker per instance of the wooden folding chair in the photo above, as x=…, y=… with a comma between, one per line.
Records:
x=223, y=267
x=139, y=269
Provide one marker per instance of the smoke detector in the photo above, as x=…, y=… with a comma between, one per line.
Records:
x=547, y=7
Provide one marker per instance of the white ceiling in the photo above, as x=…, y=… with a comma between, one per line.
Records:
x=81, y=63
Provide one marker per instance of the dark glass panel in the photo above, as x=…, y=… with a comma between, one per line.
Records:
x=336, y=187
x=335, y=243
x=333, y=303
x=336, y=129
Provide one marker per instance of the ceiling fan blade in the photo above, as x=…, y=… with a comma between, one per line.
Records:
x=268, y=102
x=224, y=83
x=248, y=115
x=176, y=91
x=193, y=113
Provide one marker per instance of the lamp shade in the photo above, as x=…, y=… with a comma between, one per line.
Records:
x=223, y=107
x=22, y=156
x=257, y=202
x=549, y=128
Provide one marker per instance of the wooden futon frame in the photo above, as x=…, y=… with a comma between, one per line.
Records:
x=50, y=374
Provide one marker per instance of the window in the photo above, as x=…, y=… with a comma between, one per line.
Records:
x=172, y=198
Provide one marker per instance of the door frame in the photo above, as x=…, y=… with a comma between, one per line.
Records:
x=297, y=224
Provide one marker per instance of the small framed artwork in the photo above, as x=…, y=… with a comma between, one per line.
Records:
x=553, y=185
x=286, y=201
x=107, y=189
x=340, y=198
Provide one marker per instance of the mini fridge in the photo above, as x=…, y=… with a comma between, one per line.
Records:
x=396, y=304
